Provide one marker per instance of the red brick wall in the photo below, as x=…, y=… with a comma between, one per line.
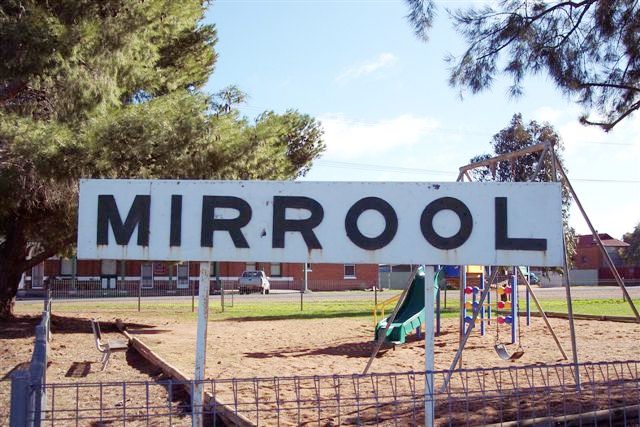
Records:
x=51, y=267
x=321, y=272
x=587, y=257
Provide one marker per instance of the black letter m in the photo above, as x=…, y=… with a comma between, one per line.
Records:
x=138, y=216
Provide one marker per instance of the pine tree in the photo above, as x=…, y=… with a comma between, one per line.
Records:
x=590, y=49
x=114, y=89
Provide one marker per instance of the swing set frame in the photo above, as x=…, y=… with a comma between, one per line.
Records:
x=546, y=152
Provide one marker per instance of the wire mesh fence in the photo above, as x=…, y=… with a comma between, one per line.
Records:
x=28, y=388
x=529, y=395
x=284, y=297
x=88, y=289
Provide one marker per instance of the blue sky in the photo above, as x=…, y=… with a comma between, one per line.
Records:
x=387, y=110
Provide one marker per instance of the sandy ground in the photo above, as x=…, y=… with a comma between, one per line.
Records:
x=268, y=348
x=74, y=358
x=264, y=348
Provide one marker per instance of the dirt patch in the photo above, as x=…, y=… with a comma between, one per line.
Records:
x=312, y=347
x=342, y=346
x=73, y=358
x=283, y=348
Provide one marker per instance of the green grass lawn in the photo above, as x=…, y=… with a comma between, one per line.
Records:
x=245, y=310
x=601, y=307
x=256, y=309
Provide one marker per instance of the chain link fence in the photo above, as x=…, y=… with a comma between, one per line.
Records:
x=288, y=296
x=531, y=395
x=90, y=289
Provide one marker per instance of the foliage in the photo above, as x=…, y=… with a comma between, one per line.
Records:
x=517, y=136
x=631, y=254
x=225, y=100
x=114, y=89
x=591, y=50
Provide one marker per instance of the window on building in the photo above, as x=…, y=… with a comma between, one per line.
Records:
x=349, y=271
x=37, y=276
x=66, y=267
x=146, y=275
x=108, y=267
x=309, y=268
x=183, y=275
x=250, y=266
x=276, y=269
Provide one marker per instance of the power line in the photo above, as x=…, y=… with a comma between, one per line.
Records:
x=448, y=131
x=608, y=181
x=382, y=168
x=402, y=169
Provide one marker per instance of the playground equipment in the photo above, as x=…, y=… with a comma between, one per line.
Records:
x=510, y=294
x=381, y=307
x=409, y=313
x=546, y=158
x=506, y=305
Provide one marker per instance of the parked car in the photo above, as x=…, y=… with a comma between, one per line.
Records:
x=533, y=278
x=253, y=281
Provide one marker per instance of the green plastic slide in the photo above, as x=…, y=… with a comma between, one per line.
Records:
x=411, y=313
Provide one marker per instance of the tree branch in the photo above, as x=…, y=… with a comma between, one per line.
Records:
x=607, y=126
x=574, y=28
x=610, y=85
x=47, y=253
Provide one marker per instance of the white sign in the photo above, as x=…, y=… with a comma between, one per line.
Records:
x=322, y=222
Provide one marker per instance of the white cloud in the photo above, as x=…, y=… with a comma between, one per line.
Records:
x=384, y=60
x=575, y=135
x=592, y=154
x=349, y=139
x=547, y=114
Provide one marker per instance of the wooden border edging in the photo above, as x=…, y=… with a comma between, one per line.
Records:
x=228, y=415
x=602, y=318
x=609, y=415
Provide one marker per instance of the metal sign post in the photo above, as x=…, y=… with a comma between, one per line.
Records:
x=197, y=400
x=429, y=349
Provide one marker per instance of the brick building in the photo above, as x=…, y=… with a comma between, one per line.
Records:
x=168, y=276
x=589, y=256
x=590, y=266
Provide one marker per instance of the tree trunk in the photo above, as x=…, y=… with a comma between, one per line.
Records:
x=13, y=258
x=9, y=281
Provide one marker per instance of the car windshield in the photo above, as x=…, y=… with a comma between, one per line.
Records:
x=251, y=274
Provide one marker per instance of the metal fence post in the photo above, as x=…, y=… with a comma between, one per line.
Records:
x=20, y=400
x=302, y=297
x=375, y=298
x=216, y=267
x=47, y=296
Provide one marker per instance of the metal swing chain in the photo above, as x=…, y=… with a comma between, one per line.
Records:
x=497, y=323
x=520, y=348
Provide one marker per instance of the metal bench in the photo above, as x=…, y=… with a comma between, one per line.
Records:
x=106, y=347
